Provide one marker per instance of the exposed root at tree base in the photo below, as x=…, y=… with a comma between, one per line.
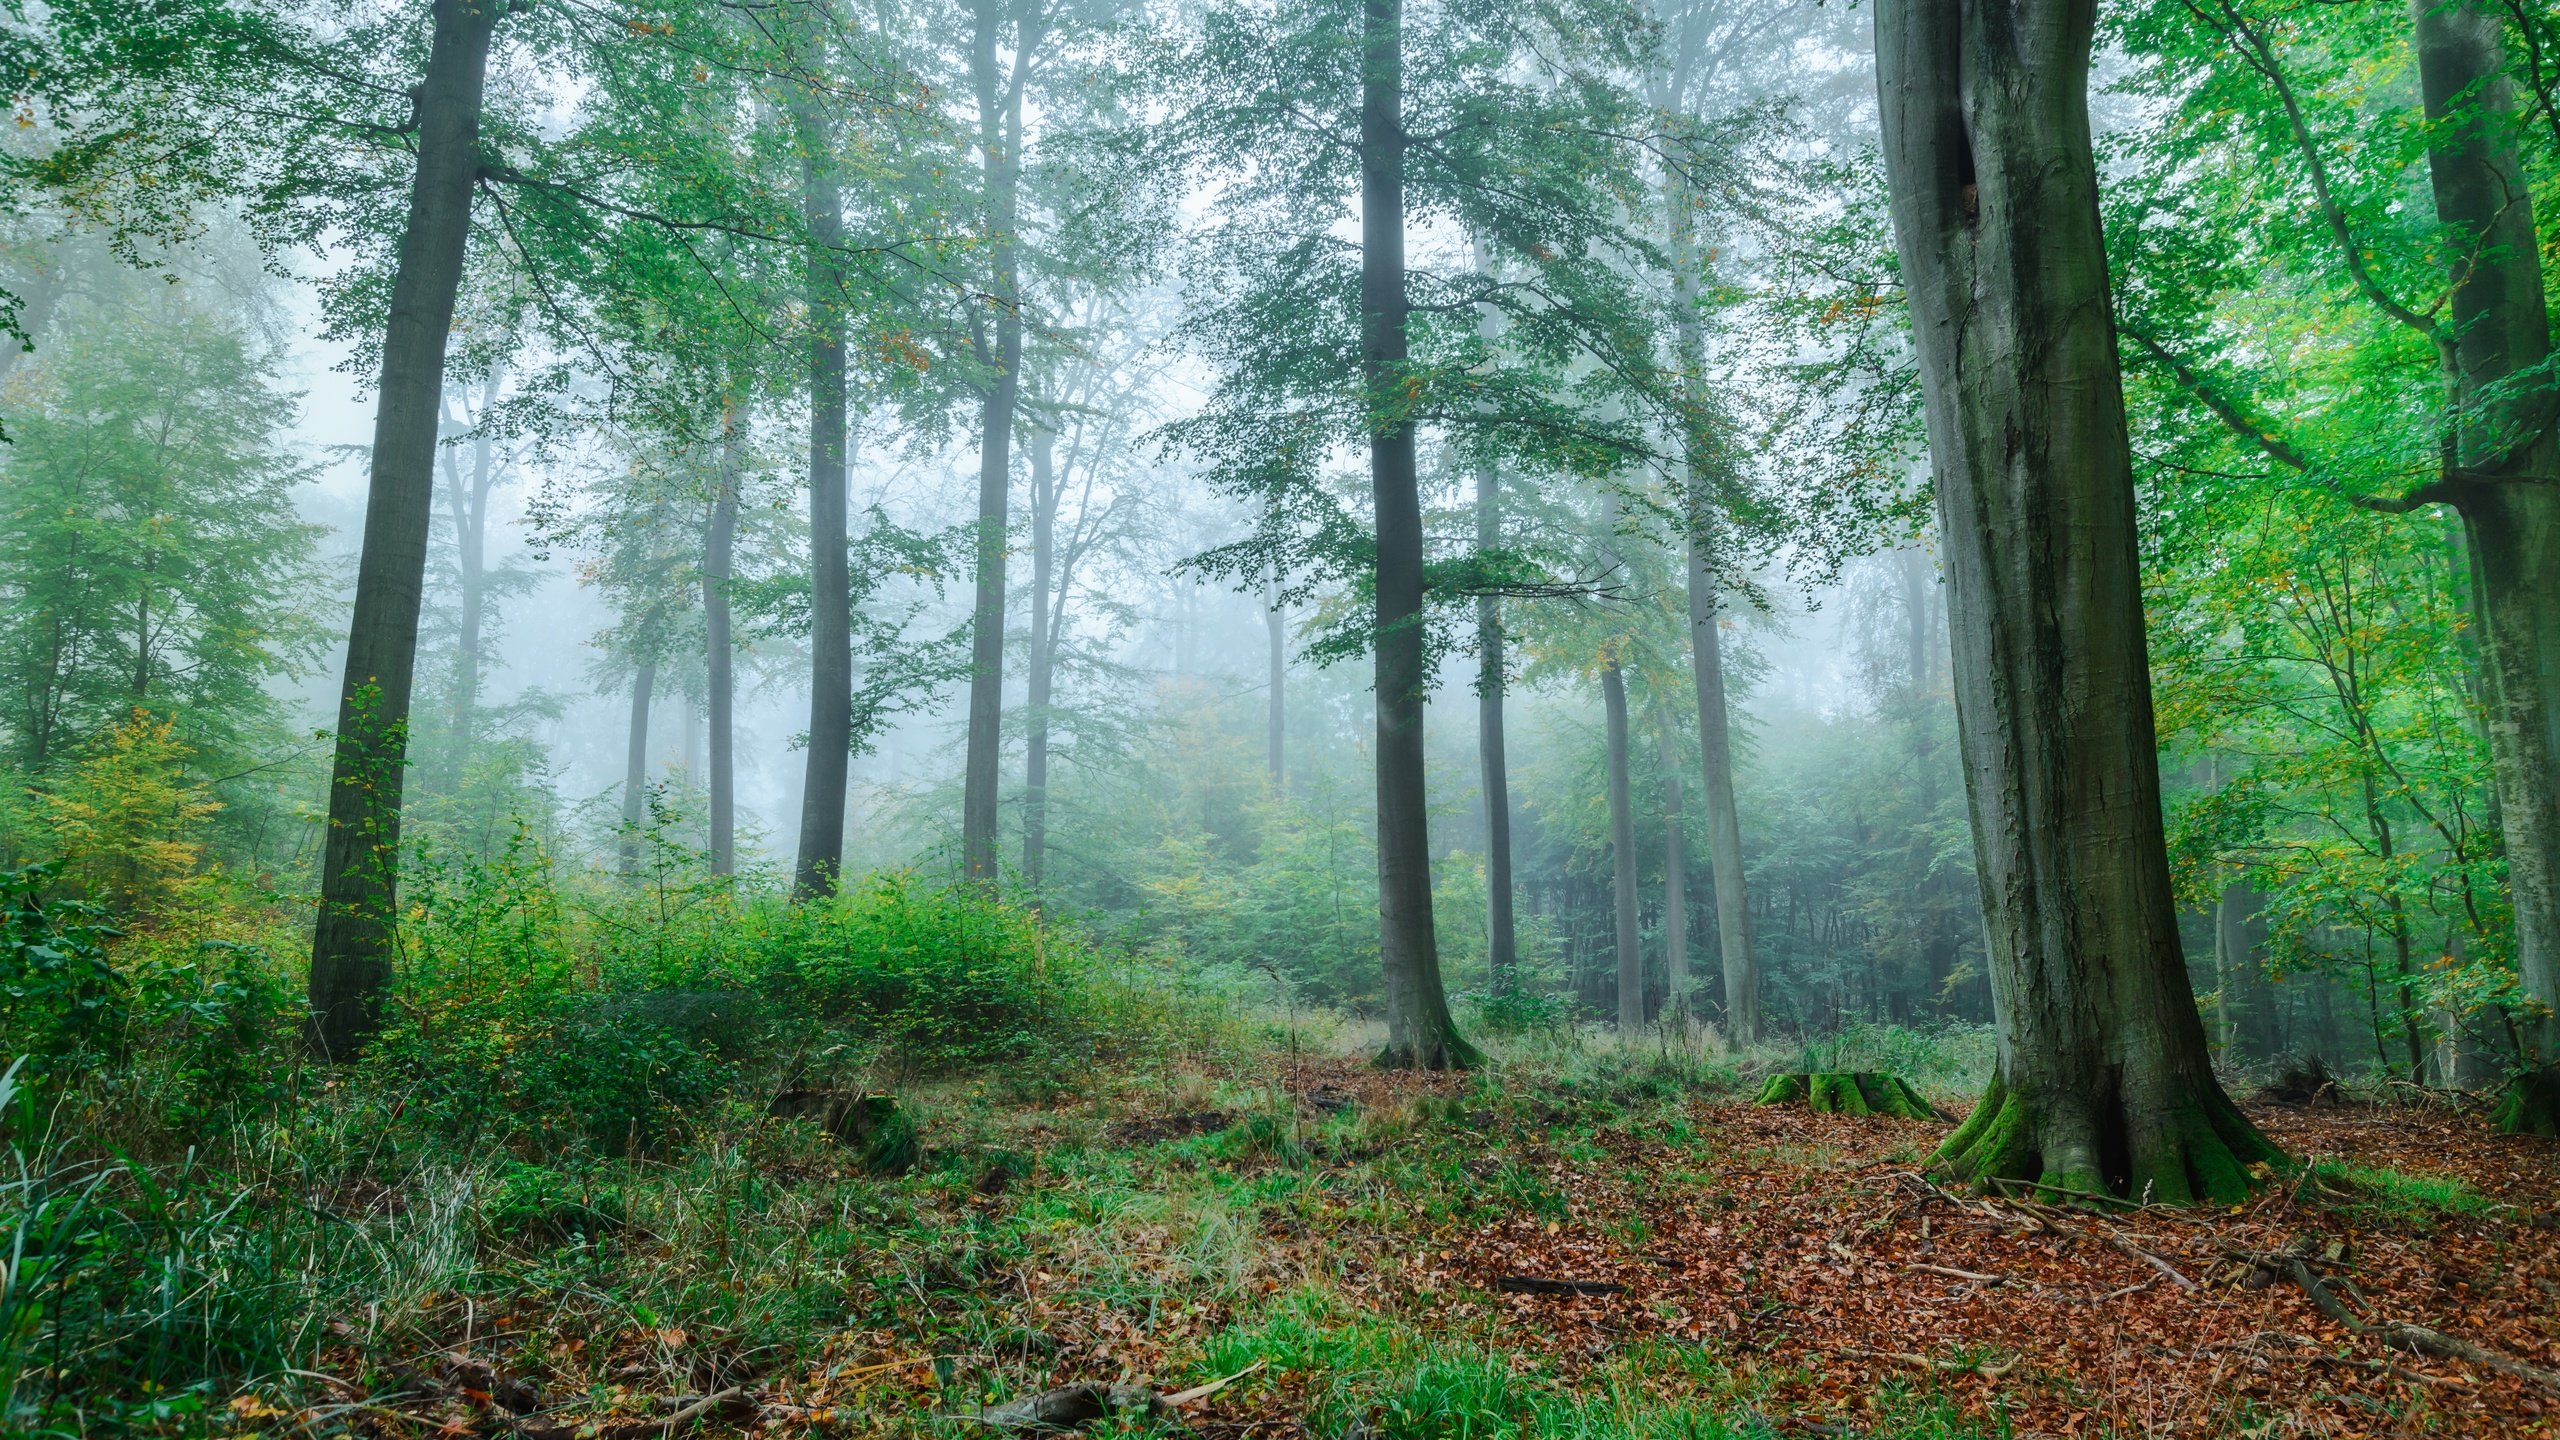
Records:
x=1849, y=1093
x=2530, y=1104
x=2205, y=1150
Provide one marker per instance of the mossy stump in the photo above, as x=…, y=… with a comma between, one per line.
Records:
x=1844, y=1092
x=2530, y=1105
x=875, y=1127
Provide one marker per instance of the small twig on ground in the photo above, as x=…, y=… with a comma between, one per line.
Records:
x=1535, y=1285
x=1196, y=1393
x=698, y=1408
x=1952, y=1367
x=2124, y=1242
x=1976, y=1276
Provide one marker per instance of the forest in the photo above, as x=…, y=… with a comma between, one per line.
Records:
x=1355, y=719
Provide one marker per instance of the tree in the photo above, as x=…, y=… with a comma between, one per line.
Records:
x=1622, y=850
x=2104, y=1083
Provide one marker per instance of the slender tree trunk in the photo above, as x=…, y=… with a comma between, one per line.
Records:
x=1000, y=140
x=2243, y=1011
x=2508, y=452
x=2103, y=1081
x=1421, y=1033
x=719, y=550
x=822, y=795
x=1675, y=889
x=1741, y=963
x=1502, y=942
x=1035, y=710
x=351, y=941
x=1275, y=634
x=635, y=763
x=1622, y=852
x=468, y=503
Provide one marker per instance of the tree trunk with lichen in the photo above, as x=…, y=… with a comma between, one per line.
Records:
x=2104, y=1083
x=2506, y=453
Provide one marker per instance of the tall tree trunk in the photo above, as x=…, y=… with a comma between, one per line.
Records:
x=1675, y=889
x=351, y=940
x=1741, y=963
x=635, y=763
x=2103, y=1081
x=1622, y=852
x=467, y=504
x=1421, y=1033
x=2243, y=984
x=1035, y=710
x=822, y=795
x=2506, y=452
x=719, y=550
x=1275, y=634
x=1502, y=941
x=1000, y=141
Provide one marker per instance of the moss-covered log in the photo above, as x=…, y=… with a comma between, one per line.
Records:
x=1843, y=1092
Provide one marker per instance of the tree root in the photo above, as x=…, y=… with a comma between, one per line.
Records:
x=2203, y=1149
x=2395, y=1334
x=2530, y=1104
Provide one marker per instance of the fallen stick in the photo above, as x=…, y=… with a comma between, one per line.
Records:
x=691, y=1412
x=2401, y=1334
x=2125, y=1243
x=1951, y=1367
x=1976, y=1276
x=1535, y=1285
x=1198, y=1393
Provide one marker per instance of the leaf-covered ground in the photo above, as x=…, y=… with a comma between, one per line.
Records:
x=1598, y=1247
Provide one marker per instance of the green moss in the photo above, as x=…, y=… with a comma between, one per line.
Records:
x=2530, y=1105
x=1841, y=1092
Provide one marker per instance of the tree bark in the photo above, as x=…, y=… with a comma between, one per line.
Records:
x=1622, y=852
x=467, y=504
x=351, y=942
x=1675, y=888
x=2507, y=455
x=1741, y=963
x=999, y=141
x=1421, y=1033
x=2103, y=1081
x=1275, y=634
x=719, y=550
x=635, y=763
x=2243, y=984
x=822, y=796
x=1502, y=941
x=1042, y=659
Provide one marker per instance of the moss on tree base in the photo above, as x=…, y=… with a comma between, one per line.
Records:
x=1843, y=1092
x=2204, y=1150
x=2530, y=1105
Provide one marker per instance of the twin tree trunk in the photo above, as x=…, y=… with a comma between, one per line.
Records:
x=999, y=139
x=351, y=941
x=822, y=794
x=467, y=501
x=2507, y=487
x=1622, y=851
x=2103, y=1082
x=1421, y=1034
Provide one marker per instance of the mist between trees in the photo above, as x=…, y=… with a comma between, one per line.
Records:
x=1426, y=522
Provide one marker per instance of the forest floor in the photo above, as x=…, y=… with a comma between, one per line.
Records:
x=1599, y=1245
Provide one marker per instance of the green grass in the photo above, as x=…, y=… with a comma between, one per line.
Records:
x=2394, y=1196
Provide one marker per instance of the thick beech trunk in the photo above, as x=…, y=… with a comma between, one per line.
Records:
x=2507, y=485
x=635, y=763
x=1622, y=852
x=1502, y=942
x=2103, y=1082
x=1000, y=141
x=1041, y=661
x=822, y=795
x=351, y=941
x=1421, y=1033
x=719, y=550
x=1675, y=889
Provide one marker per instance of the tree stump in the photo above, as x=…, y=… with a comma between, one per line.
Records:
x=876, y=1127
x=1842, y=1092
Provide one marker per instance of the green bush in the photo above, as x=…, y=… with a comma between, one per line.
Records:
x=65, y=1000
x=943, y=978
